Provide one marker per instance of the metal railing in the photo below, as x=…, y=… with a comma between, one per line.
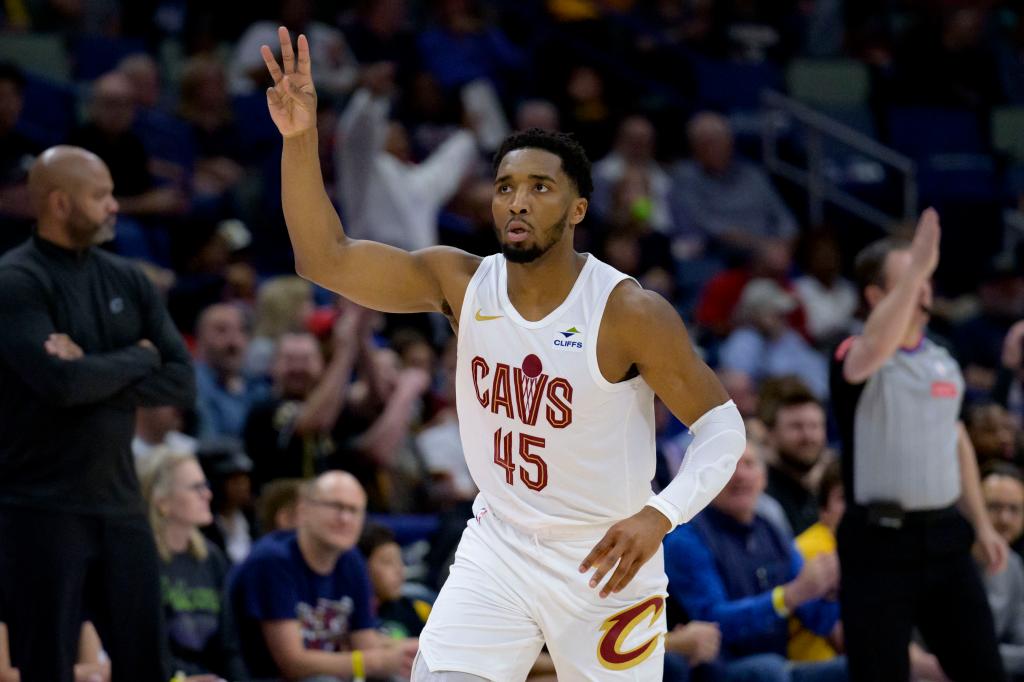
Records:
x=779, y=114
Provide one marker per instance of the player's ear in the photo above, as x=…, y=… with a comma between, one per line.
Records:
x=578, y=210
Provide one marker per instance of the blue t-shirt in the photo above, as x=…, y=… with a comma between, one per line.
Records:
x=275, y=583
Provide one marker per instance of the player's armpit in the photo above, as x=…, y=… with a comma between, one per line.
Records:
x=392, y=280
x=640, y=328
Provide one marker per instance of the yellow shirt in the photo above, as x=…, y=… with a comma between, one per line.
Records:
x=805, y=645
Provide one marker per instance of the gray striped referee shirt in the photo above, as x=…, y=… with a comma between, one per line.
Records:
x=899, y=428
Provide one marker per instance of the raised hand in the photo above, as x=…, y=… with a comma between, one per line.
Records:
x=292, y=100
x=924, y=250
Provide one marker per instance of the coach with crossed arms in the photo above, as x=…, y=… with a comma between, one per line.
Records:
x=84, y=340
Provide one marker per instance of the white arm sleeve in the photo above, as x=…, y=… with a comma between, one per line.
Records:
x=719, y=439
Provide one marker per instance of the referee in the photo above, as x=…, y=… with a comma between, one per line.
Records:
x=84, y=340
x=915, y=505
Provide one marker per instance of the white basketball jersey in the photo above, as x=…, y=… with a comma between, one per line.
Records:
x=549, y=442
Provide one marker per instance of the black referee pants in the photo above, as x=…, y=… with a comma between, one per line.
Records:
x=58, y=569
x=918, y=576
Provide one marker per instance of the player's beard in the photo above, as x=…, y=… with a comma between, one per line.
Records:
x=514, y=253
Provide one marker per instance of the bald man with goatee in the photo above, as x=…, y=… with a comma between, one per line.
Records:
x=84, y=340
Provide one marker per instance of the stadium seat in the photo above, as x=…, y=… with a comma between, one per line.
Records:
x=49, y=111
x=921, y=131
x=731, y=86
x=42, y=54
x=94, y=56
x=1008, y=131
x=830, y=84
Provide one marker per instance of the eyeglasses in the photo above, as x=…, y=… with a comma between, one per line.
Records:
x=999, y=507
x=338, y=507
x=198, y=487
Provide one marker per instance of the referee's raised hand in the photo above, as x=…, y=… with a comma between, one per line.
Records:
x=292, y=100
x=924, y=250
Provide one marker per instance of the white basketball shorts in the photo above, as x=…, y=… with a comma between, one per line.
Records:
x=510, y=592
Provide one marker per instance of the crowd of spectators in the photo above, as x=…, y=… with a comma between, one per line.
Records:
x=259, y=536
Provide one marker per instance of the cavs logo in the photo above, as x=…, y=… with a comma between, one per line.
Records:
x=617, y=629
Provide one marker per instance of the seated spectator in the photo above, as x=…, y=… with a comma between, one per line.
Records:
x=381, y=32
x=742, y=389
x=816, y=540
x=588, y=109
x=978, y=340
x=159, y=426
x=796, y=432
x=167, y=138
x=732, y=567
x=336, y=69
x=467, y=223
x=16, y=155
x=291, y=434
x=302, y=598
x=537, y=113
x=277, y=504
x=108, y=133
x=459, y=47
x=716, y=309
x=992, y=432
x=221, y=151
x=726, y=201
x=634, y=148
x=229, y=470
x=282, y=305
x=384, y=195
x=376, y=433
x=1009, y=388
x=193, y=572
x=764, y=345
x=399, y=616
x=999, y=488
x=1002, y=486
x=92, y=664
x=829, y=299
x=630, y=242
x=224, y=394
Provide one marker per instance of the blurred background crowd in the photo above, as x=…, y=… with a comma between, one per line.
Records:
x=414, y=95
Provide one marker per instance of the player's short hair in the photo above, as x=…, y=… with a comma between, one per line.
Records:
x=375, y=536
x=831, y=479
x=869, y=266
x=12, y=74
x=575, y=163
x=782, y=392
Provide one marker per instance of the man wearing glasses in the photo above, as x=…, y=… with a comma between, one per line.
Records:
x=302, y=598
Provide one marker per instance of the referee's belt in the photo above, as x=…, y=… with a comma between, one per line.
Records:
x=892, y=515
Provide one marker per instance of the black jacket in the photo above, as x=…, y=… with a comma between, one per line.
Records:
x=66, y=425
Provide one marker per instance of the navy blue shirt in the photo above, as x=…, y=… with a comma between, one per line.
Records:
x=724, y=571
x=275, y=583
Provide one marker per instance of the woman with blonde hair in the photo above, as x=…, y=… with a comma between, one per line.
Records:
x=193, y=572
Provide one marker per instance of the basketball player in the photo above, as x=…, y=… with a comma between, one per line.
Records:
x=559, y=358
